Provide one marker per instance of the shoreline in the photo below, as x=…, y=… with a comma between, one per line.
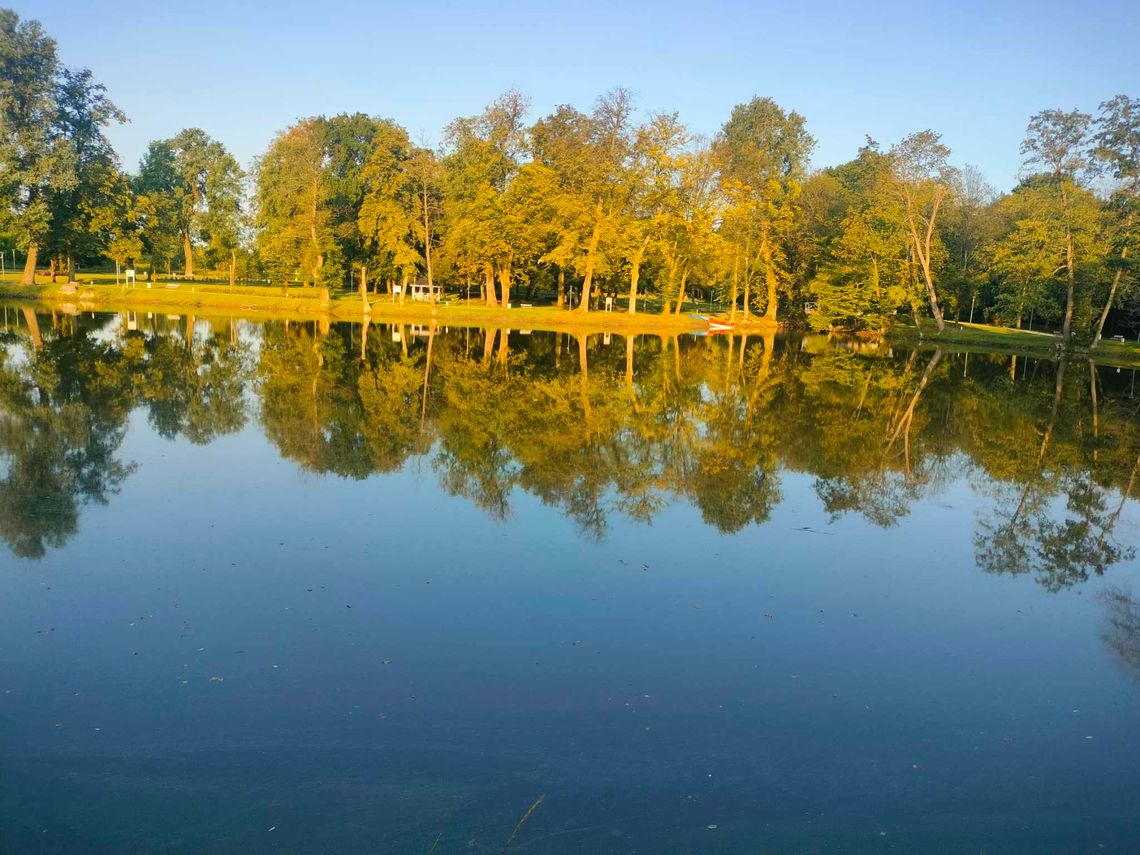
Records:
x=305, y=304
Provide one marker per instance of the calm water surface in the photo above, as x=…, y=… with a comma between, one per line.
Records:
x=284, y=587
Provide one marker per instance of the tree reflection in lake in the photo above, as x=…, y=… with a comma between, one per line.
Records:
x=66, y=392
x=594, y=425
x=1122, y=626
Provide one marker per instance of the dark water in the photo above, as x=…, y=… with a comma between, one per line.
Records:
x=274, y=587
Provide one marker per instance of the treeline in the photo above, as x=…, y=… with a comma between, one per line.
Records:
x=590, y=204
x=594, y=428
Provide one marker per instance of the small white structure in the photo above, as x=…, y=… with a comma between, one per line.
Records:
x=130, y=280
x=609, y=304
x=422, y=291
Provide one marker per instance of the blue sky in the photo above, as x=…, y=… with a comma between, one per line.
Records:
x=974, y=71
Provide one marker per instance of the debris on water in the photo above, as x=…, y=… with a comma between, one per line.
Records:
x=272, y=828
x=697, y=606
x=216, y=679
x=795, y=676
x=768, y=615
x=383, y=662
x=712, y=827
x=575, y=643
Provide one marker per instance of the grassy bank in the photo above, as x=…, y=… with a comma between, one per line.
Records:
x=983, y=338
x=96, y=293
x=261, y=301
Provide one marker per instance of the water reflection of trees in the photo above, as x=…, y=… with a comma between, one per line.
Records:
x=1122, y=626
x=66, y=392
x=597, y=426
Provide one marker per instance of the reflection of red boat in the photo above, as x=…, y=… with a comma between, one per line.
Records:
x=715, y=324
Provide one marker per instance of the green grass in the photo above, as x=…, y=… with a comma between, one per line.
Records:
x=211, y=297
x=994, y=339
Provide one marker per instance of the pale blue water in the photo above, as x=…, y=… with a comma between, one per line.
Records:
x=399, y=670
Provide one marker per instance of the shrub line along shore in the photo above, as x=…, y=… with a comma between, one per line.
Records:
x=307, y=304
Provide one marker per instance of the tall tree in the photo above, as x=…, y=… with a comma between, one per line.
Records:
x=208, y=190
x=31, y=164
x=391, y=217
x=1117, y=142
x=155, y=186
x=79, y=212
x=970, y=222
x=923, y=180
x=1057, y=143
x=292, y=193
x=763, y=151
x=483, y=154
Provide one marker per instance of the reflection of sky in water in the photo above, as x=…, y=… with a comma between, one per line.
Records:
x=805, y=680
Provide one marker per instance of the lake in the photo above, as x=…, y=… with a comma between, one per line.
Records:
x=285, y=586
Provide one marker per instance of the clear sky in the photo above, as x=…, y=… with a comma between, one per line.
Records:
x=974, y=70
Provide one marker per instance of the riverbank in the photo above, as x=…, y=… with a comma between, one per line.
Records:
x=307, y=303
x=982, y=338
x=262, y=303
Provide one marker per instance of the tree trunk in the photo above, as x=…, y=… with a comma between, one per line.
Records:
x=591, y=258
x=505, y=282
x=70, y=269
x=488, y=345
x=635, y=275
x=33, y=327
x=584, y=387
x=427, y=247
x=364, y=289
x=561, y=287
x=1111, y=298
x=681, y=292
x=629, y=368
x=427, y=375
x=233, y=269
x=29, y=277
x=504, y=345
x=188, y=252
x=489, y=284
x=924, y=260
x=735, y=286
x=1071, y=278
x=769, y=279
